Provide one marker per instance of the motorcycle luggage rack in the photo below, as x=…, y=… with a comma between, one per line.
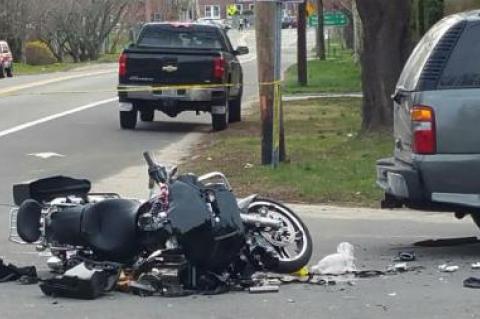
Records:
x=13, y=234
x=219, y=177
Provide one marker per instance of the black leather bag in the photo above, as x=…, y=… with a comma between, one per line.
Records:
x=73, y=287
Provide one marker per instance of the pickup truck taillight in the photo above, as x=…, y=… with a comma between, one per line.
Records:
x=122, y=65
x=423, y=127
x=218, y=68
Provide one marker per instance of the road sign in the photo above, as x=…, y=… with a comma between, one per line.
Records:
x=330, y=19
x=232, y=10
x=281, y=1
x=310, y=8
x=335, y=18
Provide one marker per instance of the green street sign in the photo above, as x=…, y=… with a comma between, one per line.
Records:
x=335, y=18
x=313, y=20
x=330, y=19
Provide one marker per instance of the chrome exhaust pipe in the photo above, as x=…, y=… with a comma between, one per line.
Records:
x=259, y=221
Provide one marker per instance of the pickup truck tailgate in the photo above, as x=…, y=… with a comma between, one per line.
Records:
x=163, y=68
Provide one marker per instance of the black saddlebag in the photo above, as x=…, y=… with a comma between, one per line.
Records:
x=73, y=287
x=211, y=234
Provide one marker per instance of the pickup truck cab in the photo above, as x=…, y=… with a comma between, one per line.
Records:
x=177, y=67
x=6, y=60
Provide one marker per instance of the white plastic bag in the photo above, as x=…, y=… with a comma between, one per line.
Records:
x=337, y=264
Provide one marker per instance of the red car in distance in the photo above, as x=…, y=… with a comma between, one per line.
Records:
x=6, y=60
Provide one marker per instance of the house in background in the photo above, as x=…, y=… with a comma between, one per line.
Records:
x=161, y=10
x=217, y=9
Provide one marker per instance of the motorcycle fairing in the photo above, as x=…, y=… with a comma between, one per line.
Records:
x=47, y=189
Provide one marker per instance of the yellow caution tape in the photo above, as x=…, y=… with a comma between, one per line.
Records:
x=146, y=88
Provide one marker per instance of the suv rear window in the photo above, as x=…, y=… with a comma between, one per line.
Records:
x=413, y=68
x=463, y=67
x=166, y=36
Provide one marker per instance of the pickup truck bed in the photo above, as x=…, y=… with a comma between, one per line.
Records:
x=180, y=67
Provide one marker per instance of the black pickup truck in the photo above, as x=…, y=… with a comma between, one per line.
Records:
x=176, y=67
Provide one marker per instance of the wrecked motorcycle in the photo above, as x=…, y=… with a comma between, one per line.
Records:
x=192, y=233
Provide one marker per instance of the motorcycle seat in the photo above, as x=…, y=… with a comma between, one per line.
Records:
x=110, y=228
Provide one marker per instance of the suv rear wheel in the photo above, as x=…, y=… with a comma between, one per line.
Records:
x=128, y=119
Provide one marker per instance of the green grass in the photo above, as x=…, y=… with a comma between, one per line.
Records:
x=24, y=69
x=338, y=74
x=329, y=161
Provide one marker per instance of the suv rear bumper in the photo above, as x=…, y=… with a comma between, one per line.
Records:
x=399, y=180
x=405, y=186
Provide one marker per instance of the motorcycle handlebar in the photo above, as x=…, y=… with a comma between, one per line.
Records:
x=149, y=159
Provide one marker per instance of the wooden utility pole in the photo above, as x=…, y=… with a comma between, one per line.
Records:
x=320, y=32
x=265, y=13
x=148, y=10
x=301, y=44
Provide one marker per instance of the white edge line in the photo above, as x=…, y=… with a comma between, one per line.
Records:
x=54, y=117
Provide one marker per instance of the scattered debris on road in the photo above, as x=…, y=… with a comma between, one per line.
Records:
x=447, y=268
x=25, y=275
x=405, y=256
x=476, y=265
x=340, y=263
x=472, y=282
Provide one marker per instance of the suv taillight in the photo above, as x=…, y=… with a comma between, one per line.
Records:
x=218, y=68
x=423, y=127
x=122, y=65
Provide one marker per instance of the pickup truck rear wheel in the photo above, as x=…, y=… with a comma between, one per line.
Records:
x=235, y=112
x=220, y=121
x=128, y=119
x=147, y=115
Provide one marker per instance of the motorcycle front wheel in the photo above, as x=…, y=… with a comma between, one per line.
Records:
x=292, y=241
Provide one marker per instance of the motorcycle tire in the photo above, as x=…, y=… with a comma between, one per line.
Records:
x=293, y=264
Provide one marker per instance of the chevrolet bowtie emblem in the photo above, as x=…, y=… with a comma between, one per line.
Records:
x=169, y=68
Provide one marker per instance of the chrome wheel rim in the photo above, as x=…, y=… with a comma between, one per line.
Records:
x=290, y=241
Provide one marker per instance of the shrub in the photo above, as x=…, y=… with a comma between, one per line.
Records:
x=38, y=53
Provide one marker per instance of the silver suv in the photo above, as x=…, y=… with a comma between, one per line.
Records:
x=436, y=164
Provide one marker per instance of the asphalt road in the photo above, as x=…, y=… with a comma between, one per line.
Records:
x=82, y=128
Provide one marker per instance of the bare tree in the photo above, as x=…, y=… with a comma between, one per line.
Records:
x=79, y=28
x=320, y=32
x=386, y=29
x=15, y=16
